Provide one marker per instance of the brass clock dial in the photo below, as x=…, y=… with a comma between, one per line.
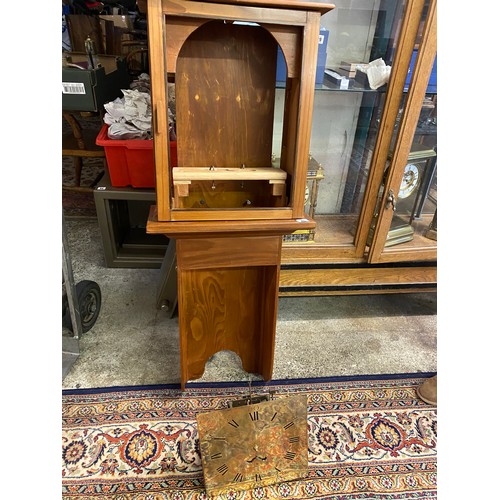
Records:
x=254, y=445
x=411, y=177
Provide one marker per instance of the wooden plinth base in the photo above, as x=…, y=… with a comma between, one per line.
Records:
x=227, y=284
x=228, y=293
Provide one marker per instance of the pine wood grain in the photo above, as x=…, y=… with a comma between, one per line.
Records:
x=202, y=228
x=227, y=173
x=228, y=252
x=159, y=100
x=229, y=259
x=322, y=7
x=225, y=80
x=358, y=276
x=227, y=301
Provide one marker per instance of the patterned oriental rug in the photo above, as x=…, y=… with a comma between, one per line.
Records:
x=370, y=437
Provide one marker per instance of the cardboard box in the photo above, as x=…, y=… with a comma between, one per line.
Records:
x=89, y=89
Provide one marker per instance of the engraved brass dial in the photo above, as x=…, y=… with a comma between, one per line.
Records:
x=254, y=445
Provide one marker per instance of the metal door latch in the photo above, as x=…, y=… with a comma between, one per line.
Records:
x=391, y=200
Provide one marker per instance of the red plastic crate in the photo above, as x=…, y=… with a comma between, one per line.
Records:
x=131, y=162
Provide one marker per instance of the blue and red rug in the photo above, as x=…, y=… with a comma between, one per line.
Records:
x=369, y=438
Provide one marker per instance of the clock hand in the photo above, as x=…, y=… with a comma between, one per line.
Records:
x=256, y=458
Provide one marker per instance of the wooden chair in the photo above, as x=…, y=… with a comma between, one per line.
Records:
x=79, y=143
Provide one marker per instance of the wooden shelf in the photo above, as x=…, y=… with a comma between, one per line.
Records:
x=200, y=229
x=334, y=243
x=228, y=173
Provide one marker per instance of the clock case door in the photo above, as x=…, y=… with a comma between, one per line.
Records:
x=398, y=214
x=225, y=125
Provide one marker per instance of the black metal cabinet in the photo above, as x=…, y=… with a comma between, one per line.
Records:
x=122, y=213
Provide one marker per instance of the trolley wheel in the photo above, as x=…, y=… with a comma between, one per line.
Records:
x=88, y=295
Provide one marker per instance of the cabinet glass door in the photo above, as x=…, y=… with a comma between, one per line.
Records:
x=360, y=72
x=404, y=225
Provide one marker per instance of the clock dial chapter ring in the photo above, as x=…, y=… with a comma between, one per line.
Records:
x=410, y=180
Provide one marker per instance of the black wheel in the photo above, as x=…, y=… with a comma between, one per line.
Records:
x=88, y=295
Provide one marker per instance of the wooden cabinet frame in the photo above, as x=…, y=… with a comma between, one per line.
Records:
x=228, y=259
x=295, y=26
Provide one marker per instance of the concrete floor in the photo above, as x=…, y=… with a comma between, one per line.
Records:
x=133, y=343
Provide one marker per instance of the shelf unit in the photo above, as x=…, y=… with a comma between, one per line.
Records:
x=364, y=151
x=122, y=213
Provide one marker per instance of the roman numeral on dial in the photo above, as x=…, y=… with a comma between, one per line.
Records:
x=289, y=455
x=234, y=423
x=222, y=469
x=254, y=415
x=238, y=478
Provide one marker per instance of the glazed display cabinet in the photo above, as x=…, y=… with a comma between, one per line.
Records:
x=376, y=206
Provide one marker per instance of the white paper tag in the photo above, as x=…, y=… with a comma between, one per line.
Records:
x=73, y=88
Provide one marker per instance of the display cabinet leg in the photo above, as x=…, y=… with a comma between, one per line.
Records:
x=78, y=164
